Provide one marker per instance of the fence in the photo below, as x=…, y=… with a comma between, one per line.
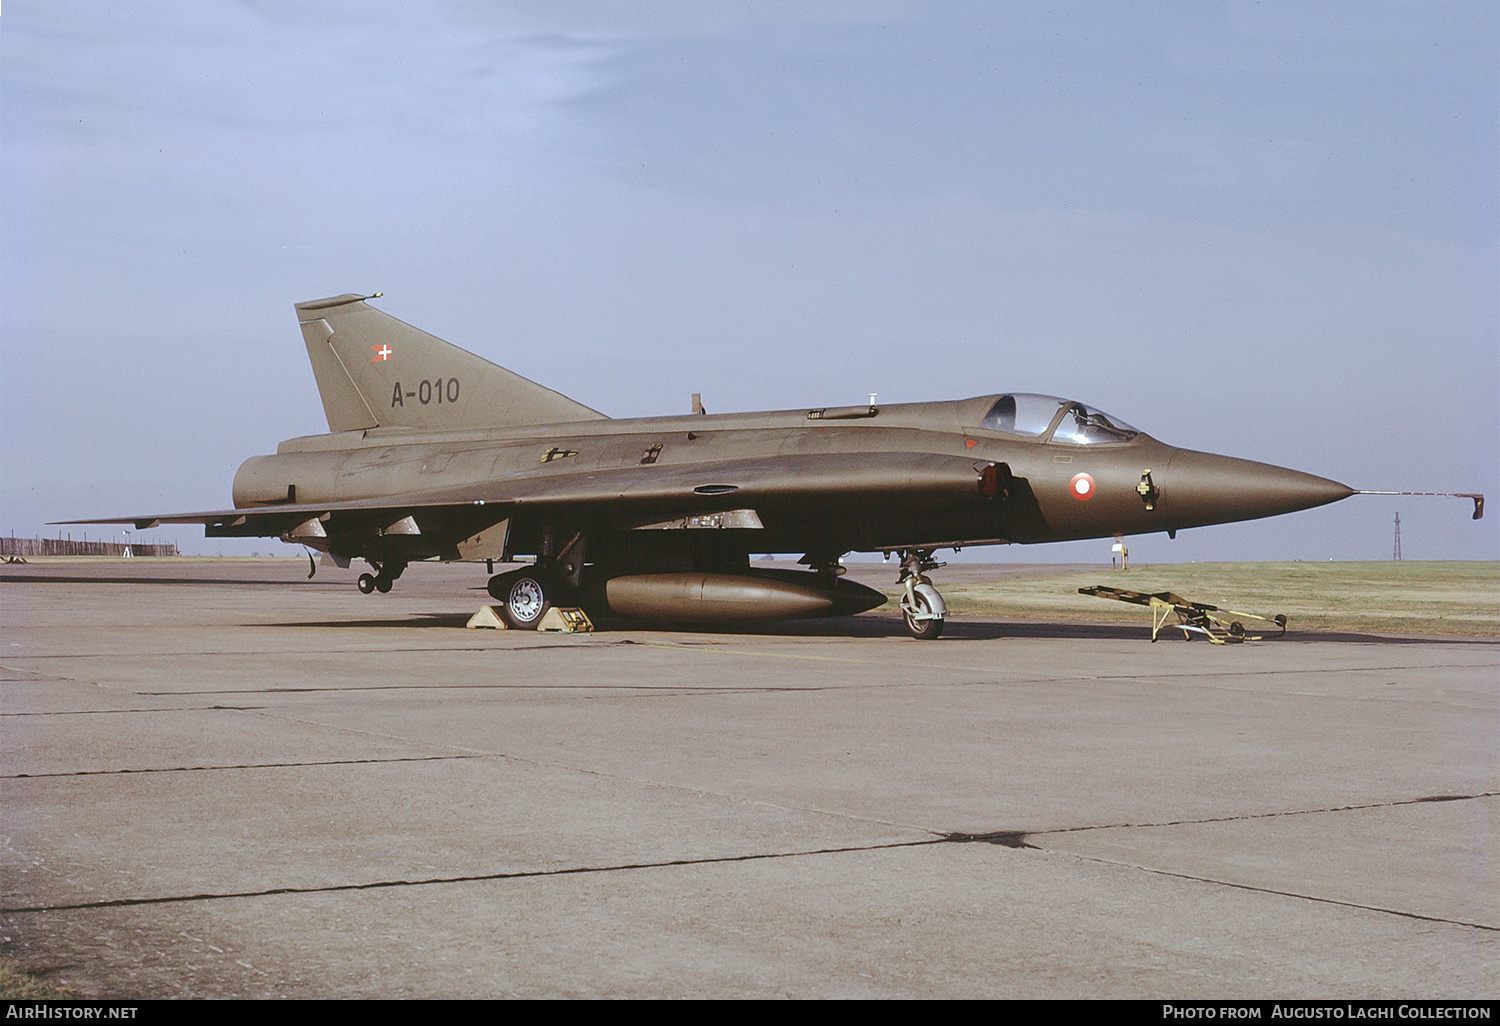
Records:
x=68, y=547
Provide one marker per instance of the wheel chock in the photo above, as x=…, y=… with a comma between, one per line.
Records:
x=488, y=616
x=566, y=621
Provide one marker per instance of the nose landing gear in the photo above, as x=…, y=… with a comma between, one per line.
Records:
x=922, y=608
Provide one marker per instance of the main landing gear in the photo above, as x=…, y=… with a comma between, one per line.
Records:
x=922, y=608
x=524, y=595
x=381, y=580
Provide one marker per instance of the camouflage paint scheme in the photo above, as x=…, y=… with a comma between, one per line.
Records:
x=435, y=453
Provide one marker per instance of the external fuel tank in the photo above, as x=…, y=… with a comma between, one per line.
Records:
x=750, y=596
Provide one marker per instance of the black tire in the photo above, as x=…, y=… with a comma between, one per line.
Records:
x=383, y=584
x=366, y=583
x=524, y=598
x=922, y=630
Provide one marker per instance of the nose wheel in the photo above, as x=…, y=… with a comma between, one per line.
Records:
x=922, y=608
x=920, y=623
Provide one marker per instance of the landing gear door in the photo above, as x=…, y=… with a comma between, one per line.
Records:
x=492, y=542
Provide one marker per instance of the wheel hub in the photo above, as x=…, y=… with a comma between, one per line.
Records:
x=526, y=599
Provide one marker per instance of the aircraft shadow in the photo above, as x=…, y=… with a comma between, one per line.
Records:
x=993, y=630
x=867, y=626
x=1127, y=632
x=855, y=627
x=132, y=580
x=405, y=621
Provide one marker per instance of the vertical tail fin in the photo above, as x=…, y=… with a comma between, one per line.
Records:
x=376, y=371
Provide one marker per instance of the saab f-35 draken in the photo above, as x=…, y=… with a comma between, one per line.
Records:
x=435, y=453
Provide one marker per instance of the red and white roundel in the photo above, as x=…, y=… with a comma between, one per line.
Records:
x=1082, y=486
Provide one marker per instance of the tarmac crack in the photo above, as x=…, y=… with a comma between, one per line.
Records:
x=1281, y=893
x=664, y=689
x=1012, y=839
x=109, y=712
x=667, y=691
x=470, y=878
x=1021, y=839
x=1007, y=839
x=589, y=771
x=381, y=650
x=1003, y=838
x=239, y=766
x=1271, y=815
x=658, y=690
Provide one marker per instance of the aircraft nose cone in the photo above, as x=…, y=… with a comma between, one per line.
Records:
x=1202, y=488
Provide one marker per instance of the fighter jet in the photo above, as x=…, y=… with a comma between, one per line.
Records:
x=435, y=453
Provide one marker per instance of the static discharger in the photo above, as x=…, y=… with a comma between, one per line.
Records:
x=1192, y=617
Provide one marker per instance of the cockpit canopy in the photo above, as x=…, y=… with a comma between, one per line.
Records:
x=1057, y=420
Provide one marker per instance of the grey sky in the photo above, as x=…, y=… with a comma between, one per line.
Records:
x=1263, y=229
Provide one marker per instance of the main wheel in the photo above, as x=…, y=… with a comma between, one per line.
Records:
x=524, y=598
x=925, y=629
x=366, y=583
x=383, y=583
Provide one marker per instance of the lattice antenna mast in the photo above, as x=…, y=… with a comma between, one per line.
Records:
x=1396, y=552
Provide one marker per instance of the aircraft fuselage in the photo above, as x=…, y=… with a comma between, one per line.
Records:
x=904, y=476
